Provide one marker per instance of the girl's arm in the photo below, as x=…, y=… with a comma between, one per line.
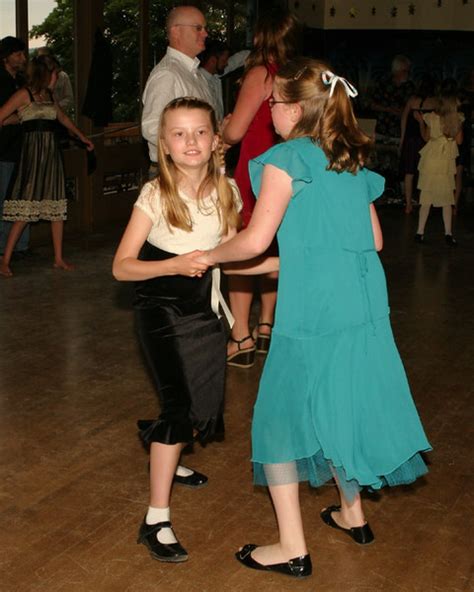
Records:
x=256, y=266
x=274, y=196
x=424, y=129
x=127, y=267
x=459, y=137
x=15, y=102
x=255, y=89
x=75, y=131
x=377, y=231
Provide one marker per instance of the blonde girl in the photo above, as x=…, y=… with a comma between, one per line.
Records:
x=442, y=132
x=333, y=400
x=191, y=206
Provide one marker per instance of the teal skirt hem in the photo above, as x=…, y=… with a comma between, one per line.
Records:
x=318, y=470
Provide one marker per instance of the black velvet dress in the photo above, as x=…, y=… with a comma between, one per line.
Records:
x=185, y=347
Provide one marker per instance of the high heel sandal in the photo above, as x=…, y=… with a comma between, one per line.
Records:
x=243, y=357
x=262, y=340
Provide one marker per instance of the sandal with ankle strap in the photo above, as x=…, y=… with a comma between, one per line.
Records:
x=262, y=341
x=243, y=357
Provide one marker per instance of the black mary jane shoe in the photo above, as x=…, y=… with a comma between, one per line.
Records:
x=299, y=567
x=362, y=535
x=244, y=357
x=195, y=480
x=170, y=553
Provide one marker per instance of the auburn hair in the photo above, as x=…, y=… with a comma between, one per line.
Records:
x=175, y=210
x=275, y=40
x=328, y=120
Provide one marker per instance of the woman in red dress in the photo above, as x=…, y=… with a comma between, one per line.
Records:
x=251, y=124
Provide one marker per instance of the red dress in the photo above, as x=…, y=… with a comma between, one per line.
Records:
x=259, y=137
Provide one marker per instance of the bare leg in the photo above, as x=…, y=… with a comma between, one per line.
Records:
x=423, y=217
x=351, y=514
x=240, y=296
x=448, y=219
x=163, y=462
x=268, y=296
x=57, y=231
x=290, y=526
x=15, y=233
x=408, y=193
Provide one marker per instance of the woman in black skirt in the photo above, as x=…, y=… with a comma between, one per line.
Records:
x=188, y=208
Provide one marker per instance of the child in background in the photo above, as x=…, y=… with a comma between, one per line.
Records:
x=442, y=132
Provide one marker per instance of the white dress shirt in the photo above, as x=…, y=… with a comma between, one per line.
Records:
x=215, y=88
x=177, y=75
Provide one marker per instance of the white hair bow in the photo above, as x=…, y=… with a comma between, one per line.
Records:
x=329, y=78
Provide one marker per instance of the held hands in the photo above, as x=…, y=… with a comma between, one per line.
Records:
x=190, y=264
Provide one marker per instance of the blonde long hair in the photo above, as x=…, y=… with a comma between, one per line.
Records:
x=447, y=109
x=175, y=210
x=328, y=120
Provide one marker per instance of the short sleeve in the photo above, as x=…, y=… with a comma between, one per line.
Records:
x=428, y=118
x=236, y=195
x=149, y=194
x=375, y=184
x=287, y=157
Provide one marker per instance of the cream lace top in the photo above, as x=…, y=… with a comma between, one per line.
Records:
x=206, y=233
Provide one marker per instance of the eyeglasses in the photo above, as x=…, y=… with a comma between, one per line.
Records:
x=272, y=102
x=199, y=28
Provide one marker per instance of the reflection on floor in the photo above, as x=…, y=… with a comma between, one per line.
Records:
x=74, y=475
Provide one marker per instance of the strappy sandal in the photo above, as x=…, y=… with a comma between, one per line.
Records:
x=262, y=341
x=243, y=357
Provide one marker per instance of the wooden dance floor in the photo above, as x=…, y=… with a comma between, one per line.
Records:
x=74, y=475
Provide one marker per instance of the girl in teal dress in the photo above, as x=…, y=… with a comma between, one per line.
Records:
x=333, y=401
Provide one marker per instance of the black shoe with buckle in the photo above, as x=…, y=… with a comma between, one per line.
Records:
x=299, y=567
x=168, y=552
x=362, y=535
x=194, y=480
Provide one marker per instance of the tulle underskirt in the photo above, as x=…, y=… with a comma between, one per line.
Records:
x=318, y=470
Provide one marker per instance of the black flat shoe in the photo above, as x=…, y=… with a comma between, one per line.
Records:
x=243, y=357
x=299, y=567
x=171, y=553
x=195, y=480
x=450, y=240
x=362, y=535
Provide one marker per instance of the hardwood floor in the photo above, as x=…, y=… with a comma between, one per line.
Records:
x=74, y=475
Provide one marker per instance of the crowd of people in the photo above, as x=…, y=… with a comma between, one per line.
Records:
x=432, y=156
x=333, y=402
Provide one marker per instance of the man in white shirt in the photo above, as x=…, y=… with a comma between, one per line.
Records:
x=213, y=62
x=178, y=74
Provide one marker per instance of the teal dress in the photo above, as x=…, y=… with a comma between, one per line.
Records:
x=333, y=398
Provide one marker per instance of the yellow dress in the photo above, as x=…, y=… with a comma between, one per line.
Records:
x=437, y=166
